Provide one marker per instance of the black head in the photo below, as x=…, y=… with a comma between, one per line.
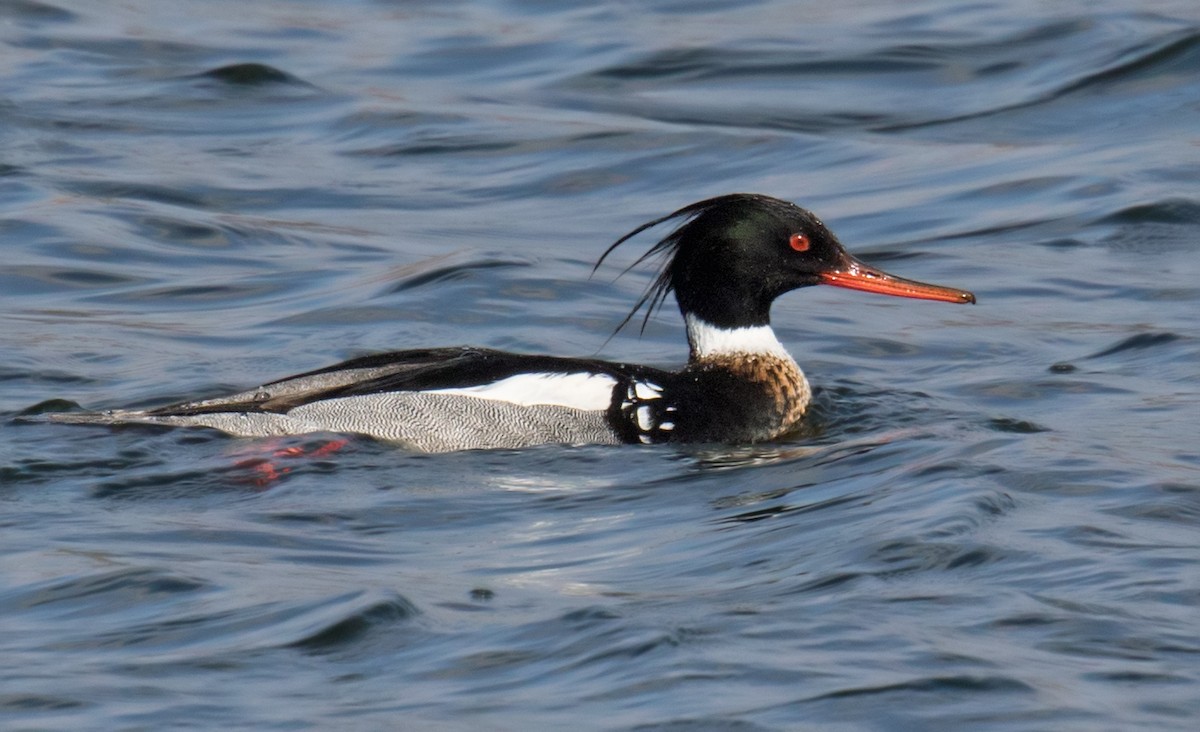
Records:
x=735, y=254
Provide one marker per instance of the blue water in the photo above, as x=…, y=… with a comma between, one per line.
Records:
x=990, y=522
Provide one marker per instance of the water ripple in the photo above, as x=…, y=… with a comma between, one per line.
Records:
x=988, y=519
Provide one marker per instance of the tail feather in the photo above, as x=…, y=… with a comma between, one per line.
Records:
x=110, y=416
x=242, y=424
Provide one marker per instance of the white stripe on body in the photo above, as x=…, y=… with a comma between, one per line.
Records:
x=584, y=391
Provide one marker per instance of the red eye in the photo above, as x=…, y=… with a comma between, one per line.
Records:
x=799, y=242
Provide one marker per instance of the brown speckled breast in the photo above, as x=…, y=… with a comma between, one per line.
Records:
x=779, y=377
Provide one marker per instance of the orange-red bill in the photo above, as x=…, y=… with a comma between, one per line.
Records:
x=855, y=275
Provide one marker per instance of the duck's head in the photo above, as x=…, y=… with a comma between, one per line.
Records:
x=735, y=254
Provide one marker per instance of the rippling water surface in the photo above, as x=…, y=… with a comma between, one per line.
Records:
x=991, y=521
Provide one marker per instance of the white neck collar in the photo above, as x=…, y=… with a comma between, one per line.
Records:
x=708, y=340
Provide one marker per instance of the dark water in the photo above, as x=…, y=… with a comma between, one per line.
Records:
x=991, y=523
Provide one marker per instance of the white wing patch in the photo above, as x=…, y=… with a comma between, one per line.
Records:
x=645, y=408
x=641, y=391
x=647, y=390
x=588, y=392
x=644, y=418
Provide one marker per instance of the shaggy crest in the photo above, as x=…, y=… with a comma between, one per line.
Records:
x=669, y=246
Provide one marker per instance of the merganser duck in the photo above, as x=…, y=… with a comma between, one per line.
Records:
x=726, y=262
